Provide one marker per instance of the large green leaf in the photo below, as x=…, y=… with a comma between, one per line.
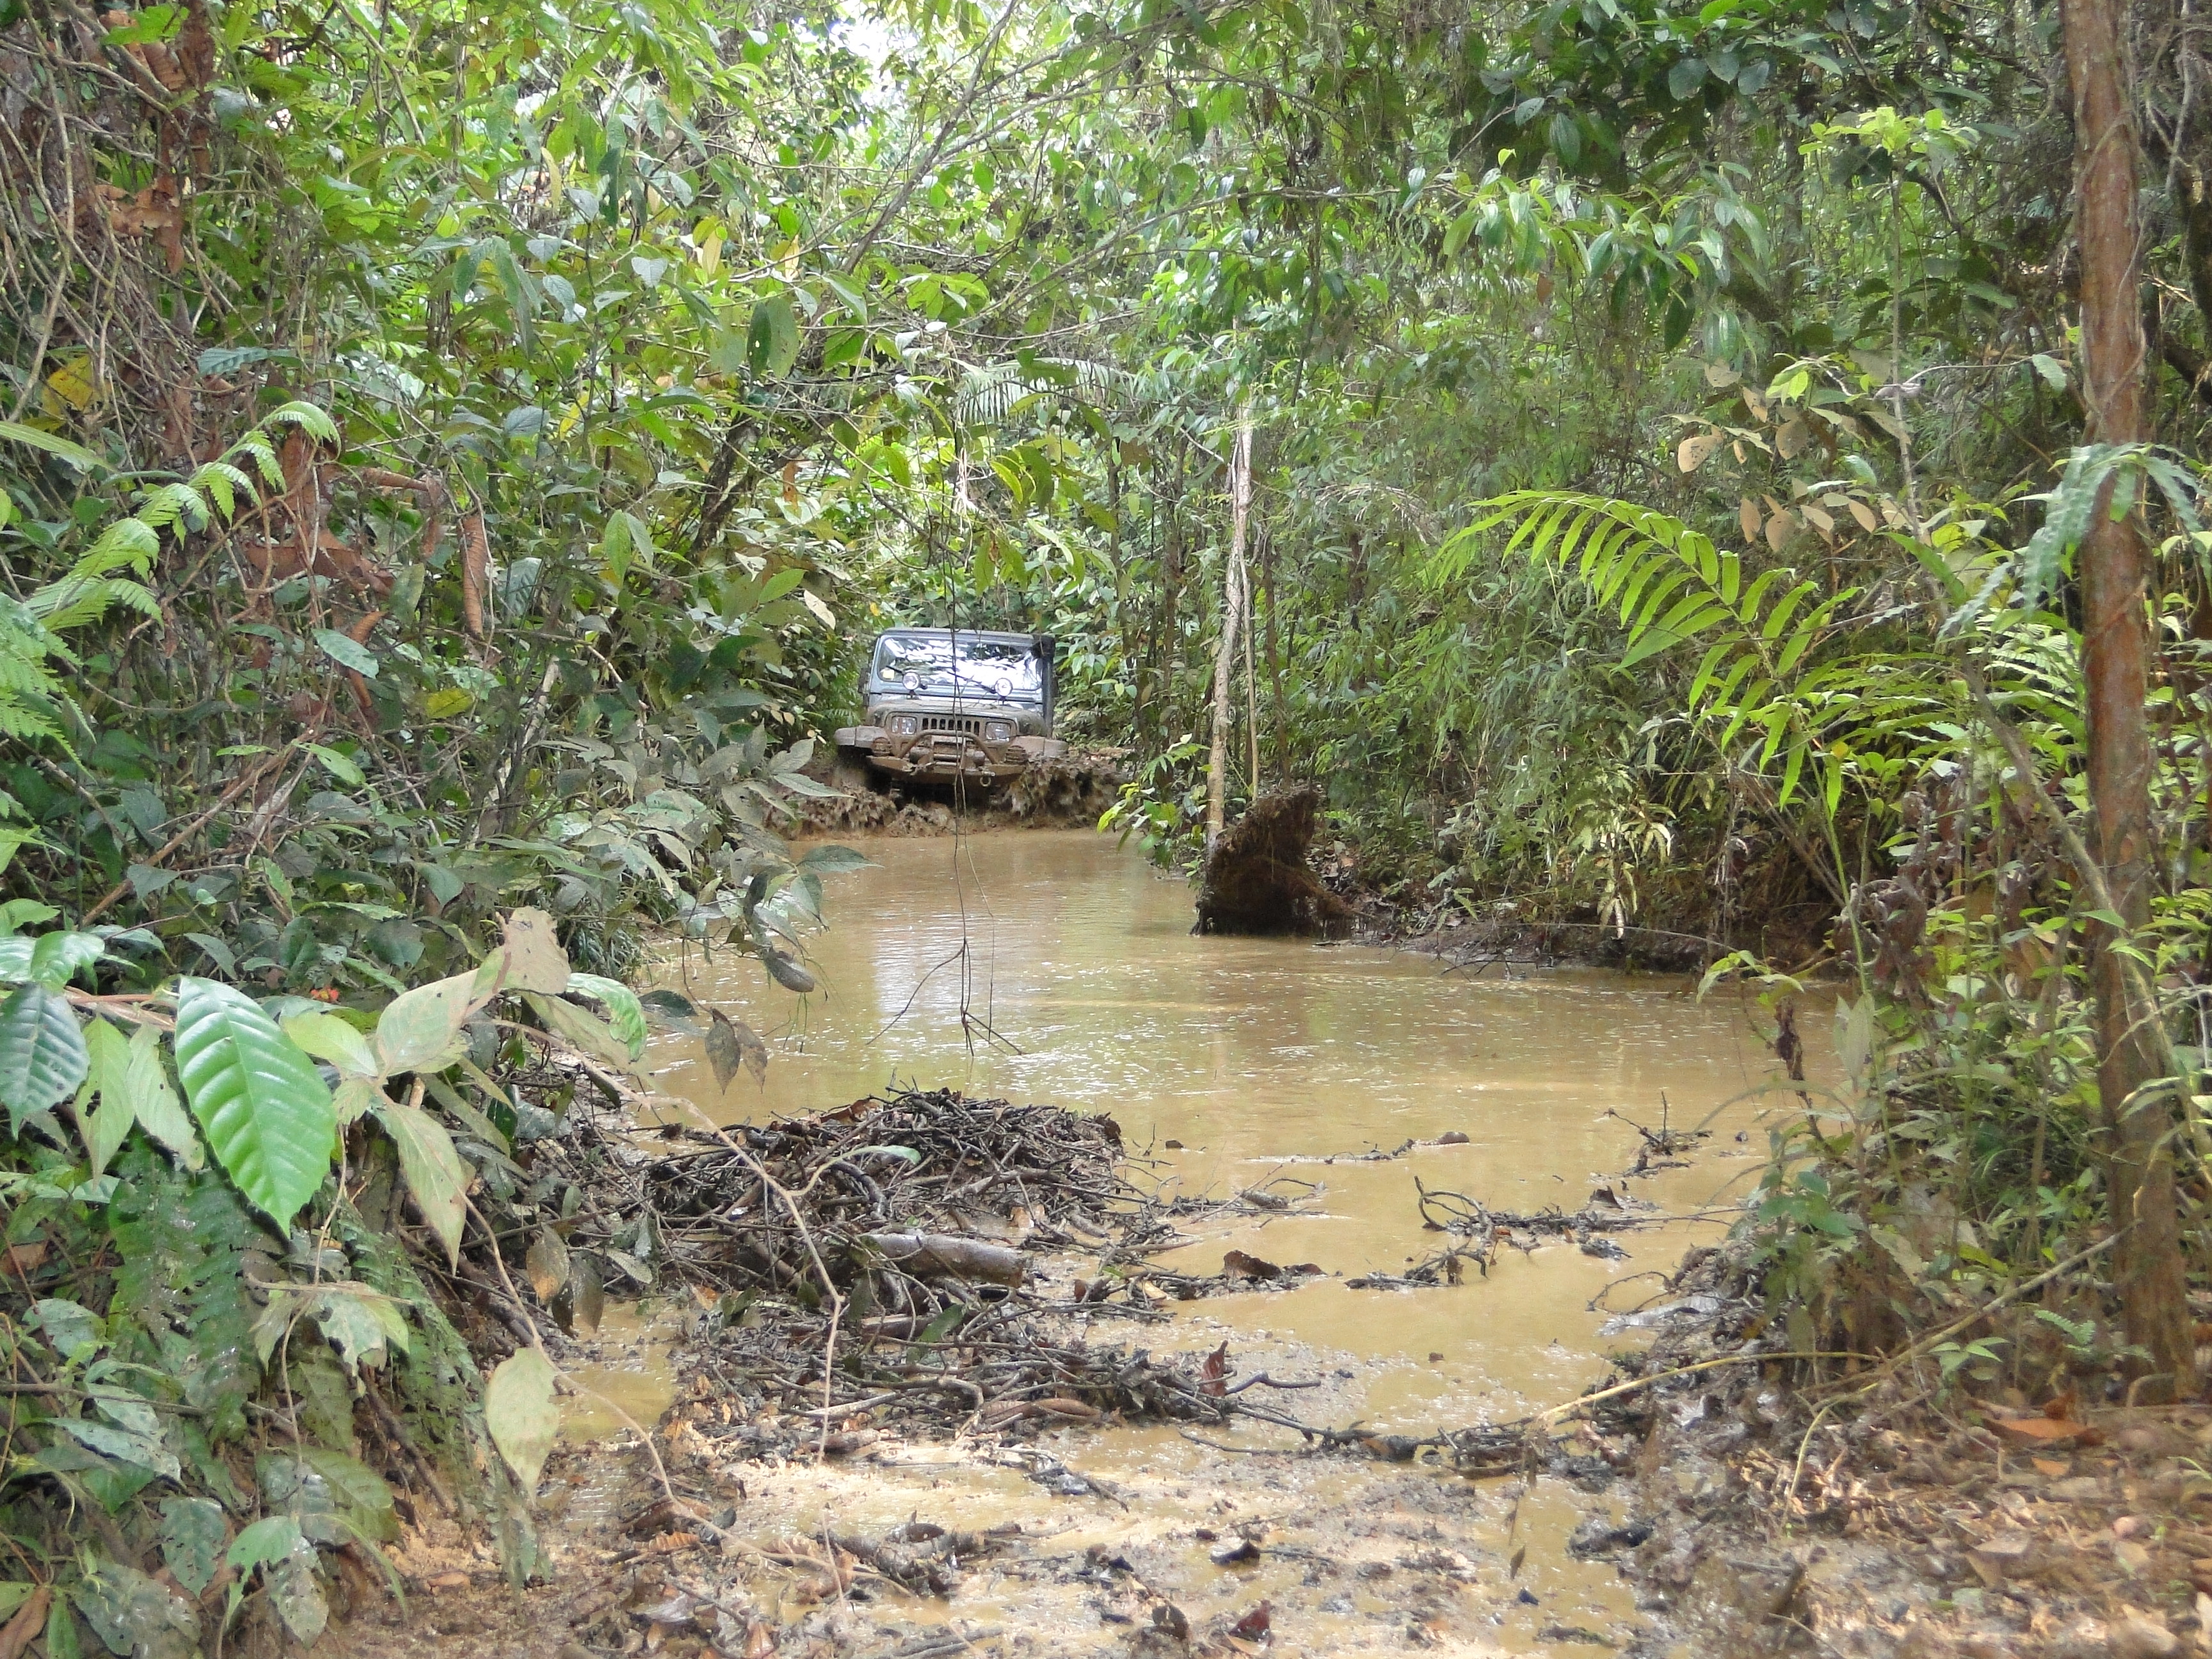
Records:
x=260, y=1100
x=42, y=1052
x=435, y=1172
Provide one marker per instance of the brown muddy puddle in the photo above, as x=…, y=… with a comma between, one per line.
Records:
x=1055, y=966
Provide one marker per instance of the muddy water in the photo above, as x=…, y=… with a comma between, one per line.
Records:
x=1054, y=966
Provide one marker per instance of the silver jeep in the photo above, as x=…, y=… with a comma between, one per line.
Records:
x=954, y=706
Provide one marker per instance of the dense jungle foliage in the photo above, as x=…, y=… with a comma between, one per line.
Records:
x=454, y=454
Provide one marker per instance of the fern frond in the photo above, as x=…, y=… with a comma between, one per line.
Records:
x=1669, y=585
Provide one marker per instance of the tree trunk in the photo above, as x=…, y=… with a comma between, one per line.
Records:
x=1275, y=659
x=2115, y=648
x=1170, y=640
x=1233, y=611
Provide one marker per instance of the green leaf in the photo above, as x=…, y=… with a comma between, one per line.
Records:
x=772, y=341
x=76, y=454
x=520, y=1412
x=42, y=1054
x=73, y=1329
x=419, y=1030
x=154, y=1100
x=259, y=1099
x=328, y=1037
x=123, y=1445
x=347, y=652
x=582, y=1031
x=103, y=1130
x=625, y=1014
x=136, y=1615
x=192, y=1531
x=297, y=1598
x=270, y=1539
x=361, y=1324
x=56, y=958
x=339, y=766
x=436, y=1174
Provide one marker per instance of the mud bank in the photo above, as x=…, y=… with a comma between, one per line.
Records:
x=1066, y=793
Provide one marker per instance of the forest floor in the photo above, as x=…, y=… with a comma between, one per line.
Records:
x=1884, y=1515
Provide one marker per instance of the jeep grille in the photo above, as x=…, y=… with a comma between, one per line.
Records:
x=966, y=723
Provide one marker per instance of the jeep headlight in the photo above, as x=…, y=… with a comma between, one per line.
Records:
x=905, y=726
x=998, y=730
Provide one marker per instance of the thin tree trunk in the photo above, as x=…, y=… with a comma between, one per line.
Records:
x=1171, y=624
x=1232, y=608
x=1275, y=659
x=2114, y=564
x=1251, y=695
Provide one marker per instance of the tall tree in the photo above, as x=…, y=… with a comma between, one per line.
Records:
x=2115, y=651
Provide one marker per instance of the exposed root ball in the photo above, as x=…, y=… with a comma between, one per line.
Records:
x=1257, y=879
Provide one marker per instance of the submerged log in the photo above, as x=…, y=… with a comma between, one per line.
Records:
x=1256, y=878
x=946, y=1255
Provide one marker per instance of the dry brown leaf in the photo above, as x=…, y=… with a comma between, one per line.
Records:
x=1780, y=529
x=30, y=1618
x=547, y=1264
x=1696, y=450
x=1864, y=514
x=476, y=575
x=1820, y=521
x=1792, y=437
x=2045, y=1431
x=1746, y=514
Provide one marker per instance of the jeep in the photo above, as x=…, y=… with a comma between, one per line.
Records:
x=954, y=706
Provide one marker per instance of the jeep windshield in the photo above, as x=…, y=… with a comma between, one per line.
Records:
x=963, y=665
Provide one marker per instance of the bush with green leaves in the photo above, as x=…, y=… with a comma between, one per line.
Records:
x=187, y=1256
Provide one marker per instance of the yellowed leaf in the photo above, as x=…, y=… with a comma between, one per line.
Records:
x=1696, y=450
x=73, y=382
